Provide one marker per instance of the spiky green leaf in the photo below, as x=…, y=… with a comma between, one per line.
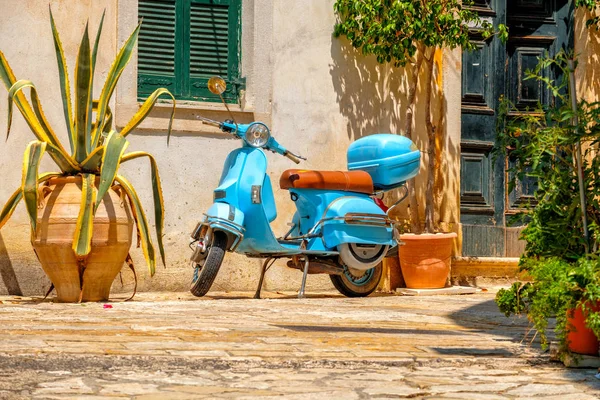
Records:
x=142, y=223
x=15, y=198
x=111, y=82
x=83, y=98
x=111, y=159
x=92, y=163
x=20, y=100
x=97, y=41
x=31, y=162
x=145, y=109
x=65, y=88
x=159, y=205
x=82, y=242
x=41, y=118
x=10, y=206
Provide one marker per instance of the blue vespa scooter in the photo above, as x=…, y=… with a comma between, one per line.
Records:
x=338, y=228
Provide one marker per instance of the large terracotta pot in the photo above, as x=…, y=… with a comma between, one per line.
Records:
x=581, y=339
x=53, y=240
x=425, y=259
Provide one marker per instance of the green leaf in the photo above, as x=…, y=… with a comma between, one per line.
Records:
x=111, y=159
x=159, y=206
x=31, y=162
x=111, y=82
x=65, y=88
x=15, y=198
x=82, y=242
x=22, y=104
x=58, y=153
x=10, y=206
x=97, y=41
x=83, y=98
x=142, y=223
x=92, y=163
x=145, y=110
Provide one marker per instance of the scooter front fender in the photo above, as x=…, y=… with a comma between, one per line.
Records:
x=226, y=218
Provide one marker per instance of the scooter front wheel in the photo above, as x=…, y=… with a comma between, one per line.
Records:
x=356, y=283
x=205, y=274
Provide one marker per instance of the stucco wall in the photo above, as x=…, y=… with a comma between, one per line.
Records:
x=316, y=92
x=587, y=50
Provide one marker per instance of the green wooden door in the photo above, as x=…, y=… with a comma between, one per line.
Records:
x=493, y=70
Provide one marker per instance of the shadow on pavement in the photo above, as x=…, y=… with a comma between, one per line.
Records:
x=514, y=329
x=357, y=329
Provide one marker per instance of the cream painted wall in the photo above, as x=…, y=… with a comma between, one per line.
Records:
x=317, y=93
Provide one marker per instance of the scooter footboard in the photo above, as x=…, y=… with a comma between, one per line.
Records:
x=227, y=218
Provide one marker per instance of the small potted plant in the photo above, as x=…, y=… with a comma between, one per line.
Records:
x=413, y=34
x=562, y=238
x=81, y=220
x=566, y=291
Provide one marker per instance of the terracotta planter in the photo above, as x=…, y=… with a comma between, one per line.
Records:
x=53, y=240
x=581, y=339
x=425, y=259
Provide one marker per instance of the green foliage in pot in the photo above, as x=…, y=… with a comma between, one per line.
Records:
x=410, y=32
x=540, y=146
x=557, y=286
x=95, y=148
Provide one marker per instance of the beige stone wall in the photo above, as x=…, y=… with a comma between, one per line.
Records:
x=316, y=92
x=587, y=50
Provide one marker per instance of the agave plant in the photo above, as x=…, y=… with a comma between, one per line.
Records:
x=95, y=147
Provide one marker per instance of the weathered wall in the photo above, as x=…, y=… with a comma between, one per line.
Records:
x=317, y=93
x=587, y=50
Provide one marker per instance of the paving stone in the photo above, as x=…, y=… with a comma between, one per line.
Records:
x=397, y=391
x=129, y=388
x=473, y=387
x=535, y=389
x=472, y=396
x=73, y=385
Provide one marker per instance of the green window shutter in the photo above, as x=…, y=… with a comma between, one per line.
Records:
x=184, y=42
x=214, y=47
x=156, y=46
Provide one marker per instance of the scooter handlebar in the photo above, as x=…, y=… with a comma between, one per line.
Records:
x=292, y=157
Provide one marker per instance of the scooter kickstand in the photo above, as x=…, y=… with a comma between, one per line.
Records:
x=262, y=278
x=304, y=275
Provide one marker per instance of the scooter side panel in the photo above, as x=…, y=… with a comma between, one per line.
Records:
x=336, y=232
x=314, y=205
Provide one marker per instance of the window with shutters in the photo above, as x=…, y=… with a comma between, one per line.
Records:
x=183, y=43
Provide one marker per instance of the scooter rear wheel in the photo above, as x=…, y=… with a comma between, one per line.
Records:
x=204, y=275
x=355, y=283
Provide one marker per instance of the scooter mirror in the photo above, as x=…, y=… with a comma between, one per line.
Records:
x=217, y=85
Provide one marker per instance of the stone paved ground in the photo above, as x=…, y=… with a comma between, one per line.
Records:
x=173, y=346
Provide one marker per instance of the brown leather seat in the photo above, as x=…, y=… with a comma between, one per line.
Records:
x=354, y=181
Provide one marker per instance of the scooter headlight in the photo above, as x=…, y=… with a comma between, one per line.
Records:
x=257, y=135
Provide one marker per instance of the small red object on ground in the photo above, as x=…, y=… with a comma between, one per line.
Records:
x=107, y=306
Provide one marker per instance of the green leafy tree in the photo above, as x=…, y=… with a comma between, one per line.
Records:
x=407, y=33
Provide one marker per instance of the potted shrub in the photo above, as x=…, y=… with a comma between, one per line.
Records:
x=81, y=220
x=562, y=237
x=412, y=34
